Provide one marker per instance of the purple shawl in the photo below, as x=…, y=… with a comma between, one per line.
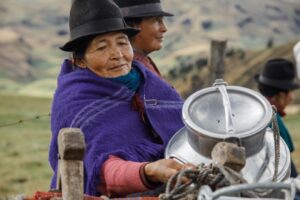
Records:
x=102, y=109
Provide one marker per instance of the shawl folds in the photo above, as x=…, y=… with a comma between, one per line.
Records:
x=102, y=109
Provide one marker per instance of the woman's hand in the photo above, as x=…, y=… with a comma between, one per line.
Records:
x=162, y=170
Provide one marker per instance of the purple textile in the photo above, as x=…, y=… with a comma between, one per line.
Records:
x=102, y=109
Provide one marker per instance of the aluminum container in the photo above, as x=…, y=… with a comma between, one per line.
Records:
x=213, y=114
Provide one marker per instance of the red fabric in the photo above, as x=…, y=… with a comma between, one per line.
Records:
x=280, y=109
x=120, y=177
x=147, y=61
x=48, y=195
x=138, y=105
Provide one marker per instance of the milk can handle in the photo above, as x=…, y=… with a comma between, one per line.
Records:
x=220, y=85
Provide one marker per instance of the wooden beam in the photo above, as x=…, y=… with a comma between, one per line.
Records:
x=71, y=148
x=216, y=63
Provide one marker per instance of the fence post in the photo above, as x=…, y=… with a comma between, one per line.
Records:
x=216, y=63
x=71, y=148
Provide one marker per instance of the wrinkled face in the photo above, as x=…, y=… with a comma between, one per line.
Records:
x=109, y=55
x=151, y=36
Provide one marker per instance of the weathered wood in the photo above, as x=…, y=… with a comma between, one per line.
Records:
x=71, y=148
x=230, y=155
x=216, y=64
x=71, y=144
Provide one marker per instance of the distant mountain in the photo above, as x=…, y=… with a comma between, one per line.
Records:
x=30, y=34
x=247, y=24
x=32, y=30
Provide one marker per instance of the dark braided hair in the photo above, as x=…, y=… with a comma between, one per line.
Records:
x=81, y=46
x=269, y=91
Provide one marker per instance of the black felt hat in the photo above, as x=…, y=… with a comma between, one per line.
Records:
x=278, y=73
x=93, y=17
x=141, y=8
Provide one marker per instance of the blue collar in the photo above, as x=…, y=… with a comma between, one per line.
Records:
x=132, y=80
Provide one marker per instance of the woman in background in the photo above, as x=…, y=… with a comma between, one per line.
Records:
x=277, y=83
x=148, y=16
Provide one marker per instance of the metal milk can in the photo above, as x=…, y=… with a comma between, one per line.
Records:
x=215, y=113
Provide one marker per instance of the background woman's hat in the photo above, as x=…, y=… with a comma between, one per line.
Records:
x=278, y=73
x=141, y=8
x=92, y=17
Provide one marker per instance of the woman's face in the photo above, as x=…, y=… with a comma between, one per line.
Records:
x=285, y=98
x=289, y=97
x=109, y=55
x=151, y=36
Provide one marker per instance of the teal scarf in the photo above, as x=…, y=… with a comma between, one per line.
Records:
x=131, y=80
x=284, y=133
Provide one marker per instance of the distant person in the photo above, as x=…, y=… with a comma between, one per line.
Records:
x=148, y=16
x=127, y=113
x=277, y=83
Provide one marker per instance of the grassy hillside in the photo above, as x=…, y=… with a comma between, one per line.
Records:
x=24, y=146
x=293, y=125
x=247, y=24
x=192, y=73
x=24, y=165
x=32, y=30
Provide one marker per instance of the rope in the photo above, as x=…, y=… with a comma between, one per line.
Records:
x=276, y=142
x=186, y=183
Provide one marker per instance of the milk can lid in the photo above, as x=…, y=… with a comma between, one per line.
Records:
x=221, y=111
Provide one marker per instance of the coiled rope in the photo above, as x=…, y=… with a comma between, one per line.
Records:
x=186, y=183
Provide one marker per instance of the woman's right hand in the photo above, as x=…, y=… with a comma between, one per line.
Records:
x=162, y=170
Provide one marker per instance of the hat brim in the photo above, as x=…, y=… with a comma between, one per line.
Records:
x=70, y=45
x=285, y=85
x=150, y=14
x=144, y=10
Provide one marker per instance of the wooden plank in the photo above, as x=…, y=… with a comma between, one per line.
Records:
x=71, y=149
x=216, y=64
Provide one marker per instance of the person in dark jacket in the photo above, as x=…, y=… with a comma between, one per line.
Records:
x=277, y=83
x=127, y=113
x=148, y=16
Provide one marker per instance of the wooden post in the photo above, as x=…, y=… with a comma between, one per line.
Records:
x=71, y=148
x=216, y=64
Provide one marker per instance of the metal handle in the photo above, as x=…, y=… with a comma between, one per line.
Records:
x=220, y=85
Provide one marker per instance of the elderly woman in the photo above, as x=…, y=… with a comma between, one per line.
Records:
x=146, y=15
x=127, y=113
x=277, y=83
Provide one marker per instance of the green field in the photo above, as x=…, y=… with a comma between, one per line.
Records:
x=293, y=124
x=24, y=165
